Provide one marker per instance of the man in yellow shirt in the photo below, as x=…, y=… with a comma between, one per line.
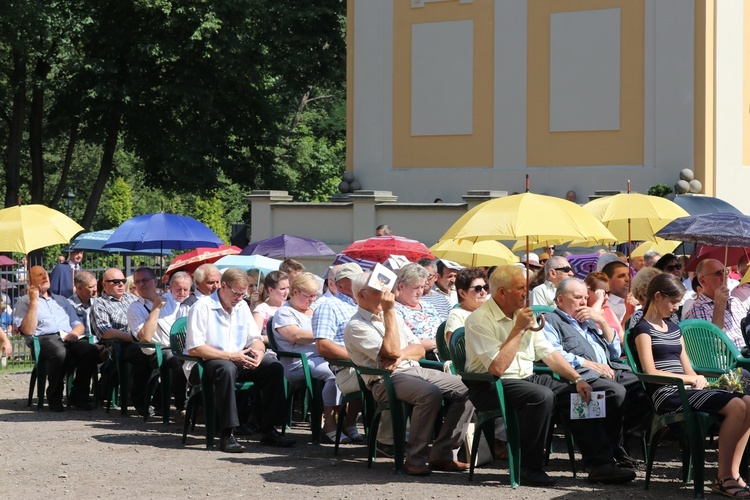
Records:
x=499, y=340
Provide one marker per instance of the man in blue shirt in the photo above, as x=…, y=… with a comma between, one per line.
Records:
x=53, y=321
x=581, y=334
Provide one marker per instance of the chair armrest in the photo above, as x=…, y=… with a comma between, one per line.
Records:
x=156, y=347
x=478, y=377
x=343, y=363
x=664, y=380
x=428, y=363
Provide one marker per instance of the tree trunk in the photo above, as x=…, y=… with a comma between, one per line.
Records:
x=36, y=126
x=15, y=127
x=62, y=186
x=112, y=127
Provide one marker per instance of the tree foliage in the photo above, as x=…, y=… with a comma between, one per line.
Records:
x=191, y=104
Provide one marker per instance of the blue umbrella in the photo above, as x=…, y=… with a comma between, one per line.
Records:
x=247, y=262
x=160, y=231
x=287, y=246
x=717, y=229
x=697, y=205
x=95, y=240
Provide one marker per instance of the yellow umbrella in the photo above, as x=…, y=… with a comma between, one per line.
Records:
x=529, y=218
x=473, y=254
x=634, y=216
x=28, y=227
x=661, y=246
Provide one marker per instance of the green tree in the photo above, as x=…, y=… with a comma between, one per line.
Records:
x=119, y=203
x=210, y=211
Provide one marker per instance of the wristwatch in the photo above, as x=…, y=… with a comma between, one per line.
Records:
x=575, y=382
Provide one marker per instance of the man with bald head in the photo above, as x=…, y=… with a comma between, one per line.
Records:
x=207, y=280
x=715, y=304
x=109, y=321
x=53, y=321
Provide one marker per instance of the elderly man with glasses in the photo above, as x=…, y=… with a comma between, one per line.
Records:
x=150, y=318
x=109, y=321
x=556, y=269
x=715, y=304
x=222, y=331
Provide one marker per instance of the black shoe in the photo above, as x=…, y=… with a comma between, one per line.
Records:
x=142, y=411
x=229, y=444
x=273, y=438
x=56, y=407
x=536, y=477
x=80, y=404
x=386, y=450
x=626, y=461
x=610, y=474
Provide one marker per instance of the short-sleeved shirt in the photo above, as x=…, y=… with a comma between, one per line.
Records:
x=330, y=319
x=544, y=294
x=288, y=316
x=363, y=338
x=423, y=322
x=487, y=329
x=54, y=314
x=139, y=311
x=209, y=324
x=82, y=311
x=703, y=308
x=108, y=313
x=456, y=319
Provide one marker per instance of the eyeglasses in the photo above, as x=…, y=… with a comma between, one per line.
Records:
x=673, y=267
x=719, y=274
x=565, y=269
x=479, y=288
x=143, y=281
x=431, y=277
x=243, y=295
x=116, y=282
x=309, y=296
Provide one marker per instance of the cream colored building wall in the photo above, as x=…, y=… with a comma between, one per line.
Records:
x=655, y=139
x=732, y=172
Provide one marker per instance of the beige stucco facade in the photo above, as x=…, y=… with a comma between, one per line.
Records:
x=446, y=96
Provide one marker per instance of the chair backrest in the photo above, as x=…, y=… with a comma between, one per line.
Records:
x=177, y=336
x=541, y=308
x=631, y=352
x=457, y=349
x=442, y=346
x=707, y=346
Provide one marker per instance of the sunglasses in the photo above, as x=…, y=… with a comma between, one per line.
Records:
x=673, y=267
x=479, y=288
x=565, y=269
x=116, y=282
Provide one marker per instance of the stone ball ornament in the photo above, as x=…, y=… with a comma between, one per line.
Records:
x=686, y=175
x=682, y=187
x=695, y=186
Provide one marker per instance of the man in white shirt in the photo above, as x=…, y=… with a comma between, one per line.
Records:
x=222, y=331
x=207, y=279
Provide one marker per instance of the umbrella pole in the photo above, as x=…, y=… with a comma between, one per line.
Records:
x=528, y=291
x=630, y=249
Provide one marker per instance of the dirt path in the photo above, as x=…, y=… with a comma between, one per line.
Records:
x=98, y=455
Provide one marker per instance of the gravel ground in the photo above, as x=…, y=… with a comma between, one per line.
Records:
x=98, y=455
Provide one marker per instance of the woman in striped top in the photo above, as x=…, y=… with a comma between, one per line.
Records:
x=661, y=351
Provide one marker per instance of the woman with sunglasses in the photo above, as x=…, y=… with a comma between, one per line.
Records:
x=472, y=290
x=661, y=351
x=292, y=330
x=421, y=317
x=598, y=286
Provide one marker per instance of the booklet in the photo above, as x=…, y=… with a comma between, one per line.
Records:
x=381, y=277
x=595, y=408
x=396, y=262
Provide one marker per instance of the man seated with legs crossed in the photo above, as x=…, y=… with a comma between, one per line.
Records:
x=377, y=337
x=221, y=330
x=586, y=341
x=499, y=340
x=53, y=321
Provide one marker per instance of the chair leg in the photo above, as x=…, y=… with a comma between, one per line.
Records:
x=41, y=382
x=372, y=438
x=32, y=385
x=339, y=426
x=398, y=420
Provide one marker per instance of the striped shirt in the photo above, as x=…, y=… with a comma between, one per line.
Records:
x=108, y=313
x=703, y=308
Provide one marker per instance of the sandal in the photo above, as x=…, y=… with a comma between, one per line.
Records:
x=354, y=435
x=734, y=491
x=330, y=438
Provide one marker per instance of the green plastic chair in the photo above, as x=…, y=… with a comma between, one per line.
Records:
x=540, y=308
x=203, y=392
x=694, y=425
x=486, y=419
x=39, y=375
x=709, y=349
x=313, y=387
x=363, y=394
